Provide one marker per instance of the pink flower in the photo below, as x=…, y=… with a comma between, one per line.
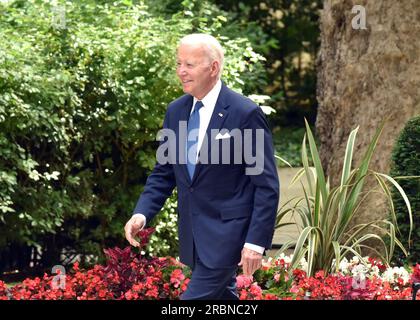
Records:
x=243, y=281
x=177, y=277
x=128, y=295
x=295, y=289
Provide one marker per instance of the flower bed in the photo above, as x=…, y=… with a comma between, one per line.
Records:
x=128, y=276
x=354, y=280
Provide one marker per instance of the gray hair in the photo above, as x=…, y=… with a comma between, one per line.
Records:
x=209, y=44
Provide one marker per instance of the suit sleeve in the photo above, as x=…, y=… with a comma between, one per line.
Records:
x=264, y=177
x=158, y=188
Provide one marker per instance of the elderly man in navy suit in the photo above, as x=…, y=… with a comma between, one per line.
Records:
x=221, y=159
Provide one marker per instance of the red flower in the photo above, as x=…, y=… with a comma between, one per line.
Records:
x=152, y=293
x=378, y=263
x=299, y=274
x=255, y=291
x=270, y=296
x=3, y=291
x=144, y=236
x=243, y=295
x=416, y=274
x=131, y=277
x=320, y=274
x=185, y=284
x=177, y=277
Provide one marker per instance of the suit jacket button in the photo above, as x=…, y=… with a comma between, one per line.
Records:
x=191, y=189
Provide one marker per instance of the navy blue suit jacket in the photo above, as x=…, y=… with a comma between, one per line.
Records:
x=221, y=207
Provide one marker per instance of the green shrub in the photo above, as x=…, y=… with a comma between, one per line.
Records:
x=288, y=144
x=164, y=241
x=406, y=162
x=82, y=94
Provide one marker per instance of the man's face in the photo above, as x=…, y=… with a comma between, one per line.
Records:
x=196, y=71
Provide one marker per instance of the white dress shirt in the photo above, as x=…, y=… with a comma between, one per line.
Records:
x=209, y=102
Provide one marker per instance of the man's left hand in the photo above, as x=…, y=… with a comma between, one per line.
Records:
x=250, y=261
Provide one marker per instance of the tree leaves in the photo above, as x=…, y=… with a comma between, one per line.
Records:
x=80, y=107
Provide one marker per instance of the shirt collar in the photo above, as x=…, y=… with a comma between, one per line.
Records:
x=211, y=98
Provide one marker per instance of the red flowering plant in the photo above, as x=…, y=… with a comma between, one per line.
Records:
x=176, y=278
x=248, y=289
x=270, y=282
x=93, y=284
x=319, y=287
x=415, y=277
x=384, y=290
x=164, y=284
x=127, y=275
x=354, y=281
x=3, y=291
x=346, y=287
x=89, y=285
x=274, y=279
x=415, y=281
x=377, y=263
x=131, y=268
x=142, y=277
x=356, y=289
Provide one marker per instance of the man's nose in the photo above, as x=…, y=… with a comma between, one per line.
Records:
x=181, y=70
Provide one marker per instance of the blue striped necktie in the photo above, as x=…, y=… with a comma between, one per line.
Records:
x=193, y=124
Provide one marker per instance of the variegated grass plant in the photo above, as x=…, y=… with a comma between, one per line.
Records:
x=327, y=233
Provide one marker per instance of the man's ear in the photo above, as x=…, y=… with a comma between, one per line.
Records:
x=215, y=67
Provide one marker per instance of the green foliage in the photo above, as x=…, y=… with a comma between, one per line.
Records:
x=406, y=163
x=286, y=32
x=164, y=241
x=83, y=90
x=288, y=142
x=274, y=280
x=326, y=213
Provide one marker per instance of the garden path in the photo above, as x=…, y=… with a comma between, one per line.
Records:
x=286, y=193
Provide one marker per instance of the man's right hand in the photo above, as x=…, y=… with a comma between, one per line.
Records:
x=132, y=228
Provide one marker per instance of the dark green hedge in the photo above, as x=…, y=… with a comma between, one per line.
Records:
x=406, y=162
x=83, y=90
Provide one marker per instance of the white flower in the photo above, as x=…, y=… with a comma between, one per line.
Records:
x=355, y=260
x=359, y=271
x=374, y=271
x=303, y=265
x=344, y=266
x=392, y=274
x=287, y=259
x=388, y=275
x=268, y=262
